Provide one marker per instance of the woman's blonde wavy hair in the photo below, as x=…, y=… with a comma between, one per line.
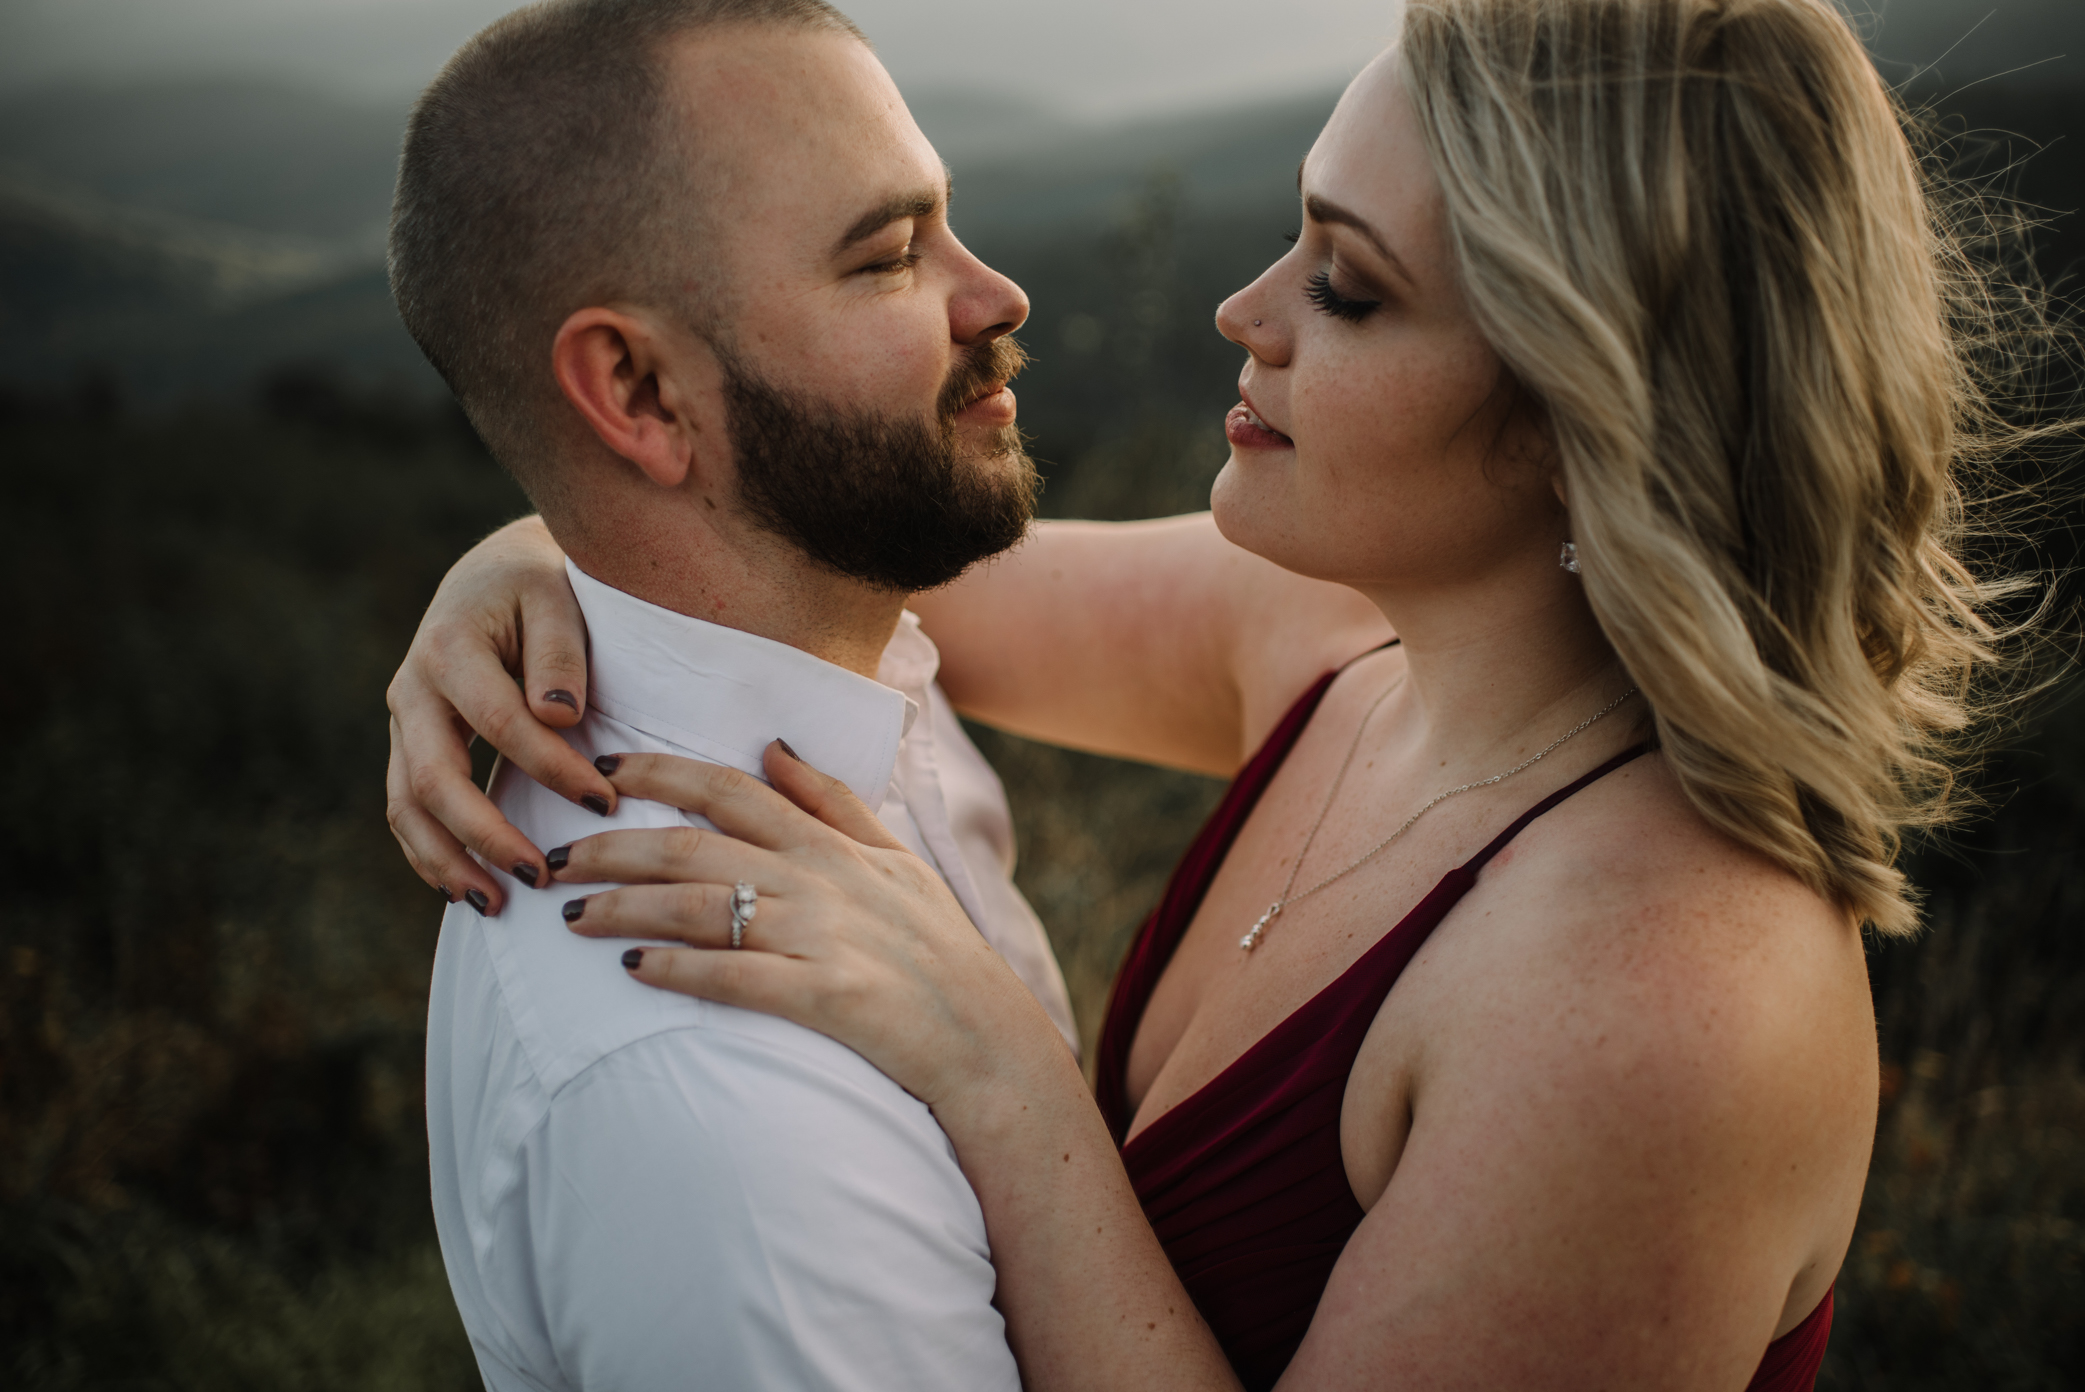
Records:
x=1698, y=236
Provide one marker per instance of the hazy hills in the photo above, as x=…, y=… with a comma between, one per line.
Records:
x=189, y=236
x=1075, y=54
x=249, y=154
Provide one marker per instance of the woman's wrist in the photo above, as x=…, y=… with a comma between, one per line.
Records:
x=1000, y=1096
x=1090, y=1298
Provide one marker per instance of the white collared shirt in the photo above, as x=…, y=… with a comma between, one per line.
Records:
x=636, y=1190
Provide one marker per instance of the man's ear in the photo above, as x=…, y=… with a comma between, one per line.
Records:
x=634, y=387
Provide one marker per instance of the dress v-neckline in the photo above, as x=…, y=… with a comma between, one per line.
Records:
x=1321, y=1010
x=1279, y=1035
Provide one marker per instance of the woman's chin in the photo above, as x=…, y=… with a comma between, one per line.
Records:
x=1250, y=513
x=1259, y=510
x=1227, y=505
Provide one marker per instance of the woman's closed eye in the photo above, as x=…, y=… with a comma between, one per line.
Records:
x=1318, y=290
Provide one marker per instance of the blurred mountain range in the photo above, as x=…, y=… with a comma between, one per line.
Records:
x=185, y=238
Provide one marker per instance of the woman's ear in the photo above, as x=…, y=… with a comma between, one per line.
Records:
x=632, y=385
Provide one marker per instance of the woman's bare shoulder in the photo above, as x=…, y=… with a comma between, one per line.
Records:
x=1667, y=968
x=1640, y=925
x=1636, y=1043
x=1632, y=856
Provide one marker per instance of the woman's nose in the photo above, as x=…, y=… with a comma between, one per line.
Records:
x=1245, y=320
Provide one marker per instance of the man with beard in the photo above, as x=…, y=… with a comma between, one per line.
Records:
x=687, y=266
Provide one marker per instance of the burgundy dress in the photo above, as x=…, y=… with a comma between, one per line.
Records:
x=1244, y=1181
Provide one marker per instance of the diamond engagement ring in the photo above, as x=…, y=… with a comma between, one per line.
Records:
x=745, y=902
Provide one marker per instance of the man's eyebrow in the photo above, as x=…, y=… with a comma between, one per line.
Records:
x=1319, y=210
x=919, y=204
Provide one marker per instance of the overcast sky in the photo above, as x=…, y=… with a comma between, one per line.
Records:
x=1091, y=58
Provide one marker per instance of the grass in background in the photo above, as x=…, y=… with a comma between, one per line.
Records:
x=213, y=962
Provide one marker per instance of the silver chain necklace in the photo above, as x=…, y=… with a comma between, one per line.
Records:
x=1252, y=939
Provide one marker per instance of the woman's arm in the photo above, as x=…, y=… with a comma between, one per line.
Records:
x=1156, y=641
x=1090, y=1298
x=504, y=609
x=1610, y=1154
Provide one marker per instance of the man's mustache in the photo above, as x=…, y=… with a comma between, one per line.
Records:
x=981, y=370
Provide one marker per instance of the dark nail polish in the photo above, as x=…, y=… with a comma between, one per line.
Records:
x=608, y=764
x=595, y=803
x=447, y=897
x=558, y=859
x=526, y=873
x=563, y=698
x=573, y=909
x=477, y=900
x=790, y=752
x=633, y=959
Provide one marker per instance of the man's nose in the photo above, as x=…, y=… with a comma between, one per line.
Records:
x=987, y=306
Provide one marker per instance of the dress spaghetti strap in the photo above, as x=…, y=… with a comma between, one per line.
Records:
x=1244, y=1181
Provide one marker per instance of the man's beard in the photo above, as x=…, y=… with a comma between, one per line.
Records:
x=887, y=500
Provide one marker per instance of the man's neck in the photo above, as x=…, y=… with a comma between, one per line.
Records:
x=725, y=571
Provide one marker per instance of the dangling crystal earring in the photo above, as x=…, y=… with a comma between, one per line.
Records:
x=1568, y=557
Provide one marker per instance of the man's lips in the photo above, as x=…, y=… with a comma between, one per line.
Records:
x=994, y=405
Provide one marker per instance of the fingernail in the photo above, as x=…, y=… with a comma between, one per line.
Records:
x=526, y=873
x=447, y=897
x=477, y=900
x=608, y=764
x=573, y=909
x=563, y=698
x=595, y=803
x=633, y=959
x=790, y=752
x=558, y=858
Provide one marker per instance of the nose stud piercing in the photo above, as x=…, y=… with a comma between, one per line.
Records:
x=1256, y=323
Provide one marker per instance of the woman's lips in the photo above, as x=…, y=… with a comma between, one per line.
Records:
x=1245, y=430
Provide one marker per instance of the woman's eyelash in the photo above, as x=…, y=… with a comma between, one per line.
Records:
x=1293, y=237
x=1319, y=292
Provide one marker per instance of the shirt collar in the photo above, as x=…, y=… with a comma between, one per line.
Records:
x=725, y=694
x=910, y=664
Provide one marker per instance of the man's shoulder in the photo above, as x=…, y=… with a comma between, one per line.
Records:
x=566, y=1002
x=631, y=1183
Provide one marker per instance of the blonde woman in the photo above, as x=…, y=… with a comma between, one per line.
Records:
x=1509, y=1024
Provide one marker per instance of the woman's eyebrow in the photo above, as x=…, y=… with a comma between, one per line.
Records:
x=1319, y=210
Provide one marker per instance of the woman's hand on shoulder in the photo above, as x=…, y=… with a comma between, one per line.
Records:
x=504, y=609
x=852, y=934
x=857, y=938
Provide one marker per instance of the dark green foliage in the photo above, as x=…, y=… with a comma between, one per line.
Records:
x=1969, y=1268
x=213, y=961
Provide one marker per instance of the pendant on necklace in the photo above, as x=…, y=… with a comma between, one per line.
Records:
x=1252, y=940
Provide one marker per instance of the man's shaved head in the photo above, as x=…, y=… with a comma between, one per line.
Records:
x=549, y=168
